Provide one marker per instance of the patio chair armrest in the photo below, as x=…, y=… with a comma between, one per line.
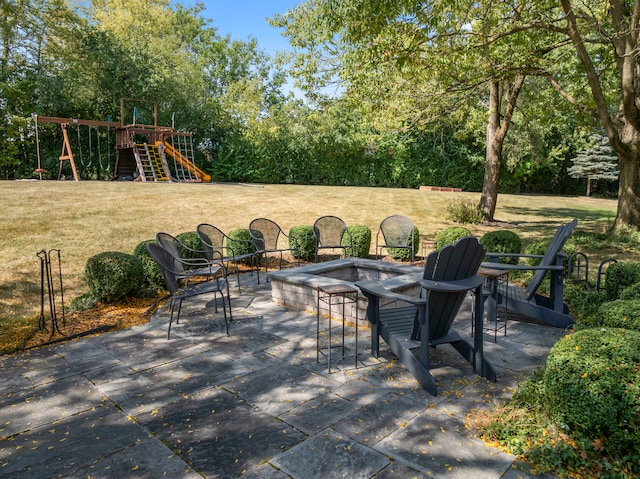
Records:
x=495, y=255
x=521, y=267
x=454, y=286
x=375, y=289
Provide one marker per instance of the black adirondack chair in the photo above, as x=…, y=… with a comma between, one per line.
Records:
x=527, y=302
x=407, y=323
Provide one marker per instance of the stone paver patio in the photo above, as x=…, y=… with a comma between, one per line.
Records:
x=252, y=404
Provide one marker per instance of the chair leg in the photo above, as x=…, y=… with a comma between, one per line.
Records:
x=237, y=276
x=172, y=307
x=224, y=309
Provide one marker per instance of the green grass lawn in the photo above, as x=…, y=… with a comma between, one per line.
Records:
x=85, y=218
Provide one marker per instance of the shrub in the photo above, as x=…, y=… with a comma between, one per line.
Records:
x=583, y=304
x=450, y=235
x=540, y=248
x=592, y=386
x=240, y=242
x=615, y=314
x=303, y=238
x=194, y=249
x=361, y=237
x=502, y=241
x=631, y=292
x=150, y=268
x=404, y=254
x=464, y=211
x=619, y=276
x=113, y=275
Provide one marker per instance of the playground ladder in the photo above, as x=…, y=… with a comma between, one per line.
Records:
x=150, y=163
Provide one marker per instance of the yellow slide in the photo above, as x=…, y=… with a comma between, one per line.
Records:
x=185, y=162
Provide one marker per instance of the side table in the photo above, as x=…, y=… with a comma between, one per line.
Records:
x=336, y=295
x=494, y=278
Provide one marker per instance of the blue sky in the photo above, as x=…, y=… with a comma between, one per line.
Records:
x=242, y=18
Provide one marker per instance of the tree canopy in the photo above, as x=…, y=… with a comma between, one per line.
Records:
x=485, y=97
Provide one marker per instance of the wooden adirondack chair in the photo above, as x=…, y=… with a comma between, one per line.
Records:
x=407, y=322
x=527, y=302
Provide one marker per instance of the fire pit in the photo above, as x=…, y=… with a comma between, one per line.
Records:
x=297, y=287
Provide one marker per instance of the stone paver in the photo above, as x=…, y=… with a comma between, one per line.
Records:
x=255, y=403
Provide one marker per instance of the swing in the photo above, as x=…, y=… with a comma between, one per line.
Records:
x=39, y=169
x=80, y=147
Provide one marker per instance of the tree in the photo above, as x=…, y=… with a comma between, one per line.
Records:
x=604, y=38
x=596, y=163
x=429, y=61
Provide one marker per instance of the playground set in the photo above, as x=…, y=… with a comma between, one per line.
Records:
x=143, y=152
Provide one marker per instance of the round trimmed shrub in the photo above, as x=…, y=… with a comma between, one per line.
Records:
x=303, y=237
x=361, y=237
x=615, y=314
x=619, y=276
x=113, y=275
x=592, y=385
x=536, y=248
x=502, y=241
x=540, y=248
x=631, y=292
x=194, y=249
x=404, y=254
x=152, y=273
x=450, y=235
x=583, y=304
x=240, y=242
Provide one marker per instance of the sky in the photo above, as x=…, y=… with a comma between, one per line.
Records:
x=243, y=18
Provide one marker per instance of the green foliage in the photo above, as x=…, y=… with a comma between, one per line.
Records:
x=361, y=237
x=191, y=241
x=152, y=273
x=239, y=241
x=631, y=293
x=450, y=235
x=619, y=276
x=539, y=248
x=464, y=211
x=592, y=387
x=583, y=304
x=303, y=239
x=114, y=275
x=502, y=241
x=615, y=314
x=404, y=254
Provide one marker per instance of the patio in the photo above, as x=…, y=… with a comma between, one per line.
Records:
x=252, y=404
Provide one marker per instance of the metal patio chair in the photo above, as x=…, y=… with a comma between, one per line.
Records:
x=268, y=239
x=217, y=244
x=217, y=283
x=331, y=232
x=186, y=266
x=396, y=232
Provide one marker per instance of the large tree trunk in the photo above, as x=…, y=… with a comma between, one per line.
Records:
x=628, y=213
x=493, y=160
x=497, y=127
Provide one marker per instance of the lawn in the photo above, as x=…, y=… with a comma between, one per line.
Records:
x=85, y=218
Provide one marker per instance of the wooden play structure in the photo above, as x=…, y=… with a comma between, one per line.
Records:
x=143, y=152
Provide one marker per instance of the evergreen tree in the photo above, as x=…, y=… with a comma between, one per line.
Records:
x=599, y=162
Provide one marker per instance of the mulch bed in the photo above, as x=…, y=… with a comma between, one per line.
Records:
x=100, y=318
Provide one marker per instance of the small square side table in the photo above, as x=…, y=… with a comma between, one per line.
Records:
x=336, y=295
